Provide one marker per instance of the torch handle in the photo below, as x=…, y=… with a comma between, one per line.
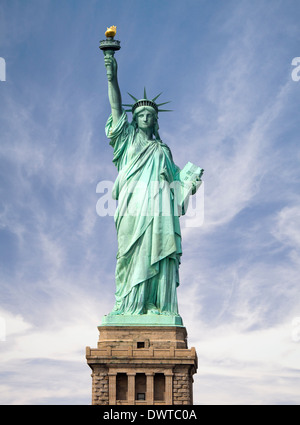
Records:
x=109, y=68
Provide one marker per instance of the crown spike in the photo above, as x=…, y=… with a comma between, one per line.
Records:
x=164, y=103
x=146, y=102
x=154, y=99
x=134, y=98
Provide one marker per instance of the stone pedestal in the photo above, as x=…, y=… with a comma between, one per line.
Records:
x=142, y=365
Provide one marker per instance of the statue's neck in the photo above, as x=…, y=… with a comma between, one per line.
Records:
x=146, y=134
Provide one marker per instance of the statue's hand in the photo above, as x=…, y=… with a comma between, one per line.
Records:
x=111, y=67
x=195, y=185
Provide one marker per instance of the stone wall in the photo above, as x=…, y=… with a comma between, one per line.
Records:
x=100, y=393
x=182, y=386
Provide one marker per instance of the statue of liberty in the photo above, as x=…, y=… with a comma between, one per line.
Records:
x=149, y=190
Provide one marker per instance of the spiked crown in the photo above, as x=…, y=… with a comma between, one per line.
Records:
x=146, y=102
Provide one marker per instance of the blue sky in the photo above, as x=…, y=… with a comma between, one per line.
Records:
x=226, y=67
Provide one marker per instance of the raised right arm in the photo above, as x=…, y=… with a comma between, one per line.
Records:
x=114, y=94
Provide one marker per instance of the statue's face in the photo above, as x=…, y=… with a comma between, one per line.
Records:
x=145, y=117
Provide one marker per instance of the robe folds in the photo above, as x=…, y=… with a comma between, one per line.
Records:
x=148, y=230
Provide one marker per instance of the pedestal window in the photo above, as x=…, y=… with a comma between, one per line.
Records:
x=122, y=386
x=140, y=386
x=159, y=387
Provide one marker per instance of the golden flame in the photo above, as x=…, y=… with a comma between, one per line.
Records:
x=111, y=31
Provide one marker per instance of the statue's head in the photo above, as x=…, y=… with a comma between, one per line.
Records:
x=145, y=117
x=145, y=113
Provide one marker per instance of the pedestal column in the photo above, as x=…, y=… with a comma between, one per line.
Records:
x=131, y=387
x=169, y=387
x=150, y=388
x=112, y=387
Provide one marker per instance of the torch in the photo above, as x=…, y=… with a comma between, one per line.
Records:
x=109, y=46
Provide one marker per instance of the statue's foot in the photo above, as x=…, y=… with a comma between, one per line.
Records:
x=115, y=313
x=153, y=311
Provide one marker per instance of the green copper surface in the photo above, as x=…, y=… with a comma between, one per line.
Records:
x=151, y=196
x=141, y=320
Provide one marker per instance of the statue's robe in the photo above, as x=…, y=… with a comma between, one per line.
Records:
x=149, y=238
